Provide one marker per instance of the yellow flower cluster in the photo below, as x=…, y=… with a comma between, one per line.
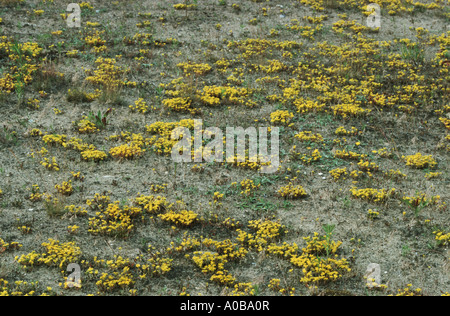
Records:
x=407, y=291
x=86, y=5
x=163, y=142
x=341, y=131
x=226, y=247
x=273, y=67
x=38, y=12
x=95, y=39
x=93, y=155
x=265, y=231
x=214, y=262
x=383, y=152
x=183, y=6
x=183, y=218
x=339, y=173
x=367, y=166
x=242, y=289
x=217, y=95
x=372, y=214
x=108, y=75
x=248, y=187
x=99, y=202
x=193, y=68
x=73, y=229
x=186, y=244
x=308, y=136
x=284, y=251
x=54, y=139
x=281, y=117
x=34, y=104
x=348, y=155
x=76, y=210
x=152, y=204
x=292, y=191
x=179, y=104
x=346, y=110
x=442, y=238
x=35, y=132
x=22, y=64
x=127, y=151
x=77, y=176
x=123, y=272
x=115, y=280
x=274, y=285
x=114, y=220
x=65, y=188
x=156, y=188
x=22, y=288
x=317, y=269
x=4, y=246
x=24, y=229
x=209, y=262
x=218, y=197
x=395, y=174
x=372, y=195
x=139, y=106
x=432, y=175
x=446, y=122
x=85, y=126
x=53, y=165
x=421, y=199
x=420, y=161
x=56, y=254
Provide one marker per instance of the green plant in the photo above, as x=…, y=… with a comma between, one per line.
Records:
x=54, y=208
x=405, y=250
x=412, y=53
x=416, y=207
x=7, y=136
x=19, y=84
x=328, y=237
x=99, y=119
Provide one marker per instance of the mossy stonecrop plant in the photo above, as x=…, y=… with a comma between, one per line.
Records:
x=114, y=220
x=23, y=59
x=339, y=173
x=372, y=195
x=442, y=238
x=139, y=106
x=162, y=141
x=281, y=117
x=292, y=191
x=127, y=151
x=120, y=274
x=308, y=136
x=420, y=161
x=319, y=260
x=132, y=150
x=248, y=187
x=266, y=232
x=65, y=188
x=5, y=246
x=56, y=254
x=109, y=76
x=183, y=218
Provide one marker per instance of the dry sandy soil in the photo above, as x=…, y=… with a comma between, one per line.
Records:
x=391, y=84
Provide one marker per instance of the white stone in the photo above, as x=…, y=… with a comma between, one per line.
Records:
x=373, y=275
